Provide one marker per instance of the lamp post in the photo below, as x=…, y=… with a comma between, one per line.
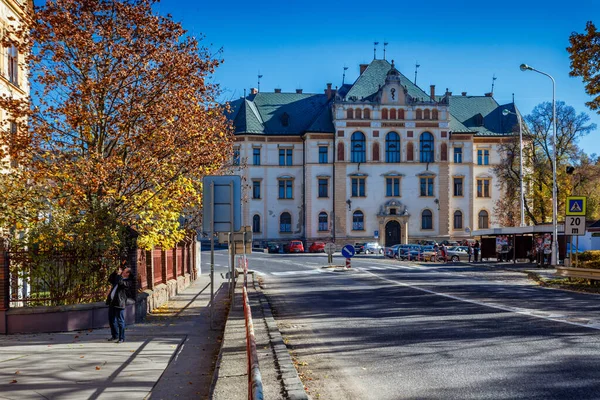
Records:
x=554, y=259
x=505, y=112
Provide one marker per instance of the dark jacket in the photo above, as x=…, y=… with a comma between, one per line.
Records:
x=124, y=287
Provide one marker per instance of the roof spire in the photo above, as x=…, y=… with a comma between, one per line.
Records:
x=344, y=75
x=384, y=46
x=375, y=50
x=417, y=65
x=493, y=82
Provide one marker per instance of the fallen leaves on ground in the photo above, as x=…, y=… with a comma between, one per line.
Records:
x=13, y=381
x=97, y=368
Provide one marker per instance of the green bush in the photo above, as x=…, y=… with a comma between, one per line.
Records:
x=592, y=255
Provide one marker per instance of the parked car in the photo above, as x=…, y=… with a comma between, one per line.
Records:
x=415, y=253
x=429, y=254
x=273, y=247
x=392, y=252
x=373, y=248
x=407, y=249
x=295, y=246
x=458, y=253
x=359, y=248
x=317, y=247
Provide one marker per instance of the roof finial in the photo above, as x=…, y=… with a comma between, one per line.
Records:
x=344, y=76
x=417, y=65
x=259, y=76
x=493, y=82
x=384, y=46
x=375, y=50
x=393, y=65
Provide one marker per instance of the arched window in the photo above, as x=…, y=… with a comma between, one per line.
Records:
x=375, y=151
x=285, y=222
x=419, y=114
x=358, y=113
x=367, y=113
x=359, y=148
x=350, y=114
x=358, y=221
x=434, y=115
x=444, y=155
x=256, y=223
x=426, y=219
x=426, y=147
x=426, y=114
x=384, y=113
x=484, y=220
x=340, y=151
x=323, y=222
x=410, y=152
x=393, y=113
x=392, y=148
x=401, y=114
x=458, y=220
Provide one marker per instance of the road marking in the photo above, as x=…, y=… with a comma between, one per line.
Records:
x=305, y=272
x=521, y=311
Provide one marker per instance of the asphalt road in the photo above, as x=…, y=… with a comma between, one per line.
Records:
x=394, y=330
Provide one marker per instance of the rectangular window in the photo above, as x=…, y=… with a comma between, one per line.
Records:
x=256, y=156
x=256, y=189
x=285, y=156
x=323, y=192
x=286, y=189
x=458, y=186
x=13, y=65
x=458, y=155
x=483, y=157
x=358, y=187
x=236, y=156
x=483, y=187
x=322, y=154
x=427, y=187
x=392, y=187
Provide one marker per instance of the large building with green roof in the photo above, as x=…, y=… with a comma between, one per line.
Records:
x=376, y=160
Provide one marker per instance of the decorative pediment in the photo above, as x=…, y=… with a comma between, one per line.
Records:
x=393, y=208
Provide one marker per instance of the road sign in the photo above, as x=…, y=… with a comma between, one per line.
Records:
x=376, y=235
x=574, y=226
x=223, y=204
x=348, y=251
x=330, y=248
x=576, y=205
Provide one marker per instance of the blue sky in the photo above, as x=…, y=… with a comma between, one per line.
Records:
x=460, y=45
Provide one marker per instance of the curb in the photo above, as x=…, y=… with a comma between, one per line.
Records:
x=292, y=385
x=213, y=382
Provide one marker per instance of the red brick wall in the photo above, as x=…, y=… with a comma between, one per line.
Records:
x=4, y=278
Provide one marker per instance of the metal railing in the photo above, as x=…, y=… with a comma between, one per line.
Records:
x=255, y=388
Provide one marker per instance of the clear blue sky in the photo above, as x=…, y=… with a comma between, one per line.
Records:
x=460, y=45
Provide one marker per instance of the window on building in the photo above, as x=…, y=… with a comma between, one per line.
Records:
x=285, y=222
x=322, y=154
x=434, y=115
x=13, y=65
x=427, y=114
x=392, y=187
x=410, y=152
x=393, y=113
x=392, y=148
x=236, y=156
x=256, y=223
x=359, y=148
x=426, y=147
x=285, y=156
x=358, y=187
x=350, y=114
x=323, y=222
x=375, y=151
x=426, y=219
x=384, y=113
x=458, y=186
x=256, y=189
x=256, y=156
x=367, y=113
x=340, y=151
x=484, y=221
x=419, y=114
x=358, y=113
x=401, y=114
x=426, y=186
x=483, y=157
x=323, y=189
x=458, y=155
x=483, y=187
x=286, y=189
x=458, y=220
x=444, y=152
x=358, y=221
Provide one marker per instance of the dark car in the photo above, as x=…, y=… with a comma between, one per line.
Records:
x=359, y=248
x=392, y=252
x=273, y=247
x=317, y=247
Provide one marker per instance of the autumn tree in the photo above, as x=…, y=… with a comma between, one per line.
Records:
x=538, y=153
x=584, y=53
x=121, y=126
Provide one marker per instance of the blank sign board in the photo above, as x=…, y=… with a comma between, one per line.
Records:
x=218, y=206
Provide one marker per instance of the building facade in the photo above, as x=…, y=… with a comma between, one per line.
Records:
x=377, y=160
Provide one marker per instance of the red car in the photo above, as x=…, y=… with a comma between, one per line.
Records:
x=295, y=246
x=317, y=247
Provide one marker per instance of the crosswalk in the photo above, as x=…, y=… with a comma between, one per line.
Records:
x=314, y=271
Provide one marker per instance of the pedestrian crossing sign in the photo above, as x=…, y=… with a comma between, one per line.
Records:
x=576, y=205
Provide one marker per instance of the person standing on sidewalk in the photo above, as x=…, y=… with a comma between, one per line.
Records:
x=476, y=250
x=117, y=301
x=470, y=250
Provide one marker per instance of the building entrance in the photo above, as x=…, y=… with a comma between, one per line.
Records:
x=392, y=233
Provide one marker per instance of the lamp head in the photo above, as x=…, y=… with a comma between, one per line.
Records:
x=505, y=112
x=525, y=67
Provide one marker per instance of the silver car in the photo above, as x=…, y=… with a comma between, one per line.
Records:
x=458, y=253
x=373, y=248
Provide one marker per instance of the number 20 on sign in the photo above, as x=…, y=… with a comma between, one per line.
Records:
x=575, y=226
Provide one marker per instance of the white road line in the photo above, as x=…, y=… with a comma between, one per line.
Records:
x=515, y=310
x=305, y=272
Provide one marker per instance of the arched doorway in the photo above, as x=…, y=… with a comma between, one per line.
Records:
x=392, y=233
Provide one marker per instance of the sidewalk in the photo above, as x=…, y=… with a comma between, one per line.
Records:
x=171, y=355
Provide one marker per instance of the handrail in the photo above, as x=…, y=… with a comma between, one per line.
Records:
x=255, y=388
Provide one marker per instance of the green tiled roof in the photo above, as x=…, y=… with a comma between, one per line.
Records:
x=481, y=115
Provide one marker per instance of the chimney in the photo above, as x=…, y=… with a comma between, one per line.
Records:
x=432, y=92
x=328, y=91
x=489, y=94
x=464, y=93
x=363, y=67
x=253, y=90
x=277, y=90
x=299, y=91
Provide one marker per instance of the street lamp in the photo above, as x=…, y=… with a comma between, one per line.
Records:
x=554, y=260
x=505, y=112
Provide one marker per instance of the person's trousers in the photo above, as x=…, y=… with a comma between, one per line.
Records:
x=116, y=320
